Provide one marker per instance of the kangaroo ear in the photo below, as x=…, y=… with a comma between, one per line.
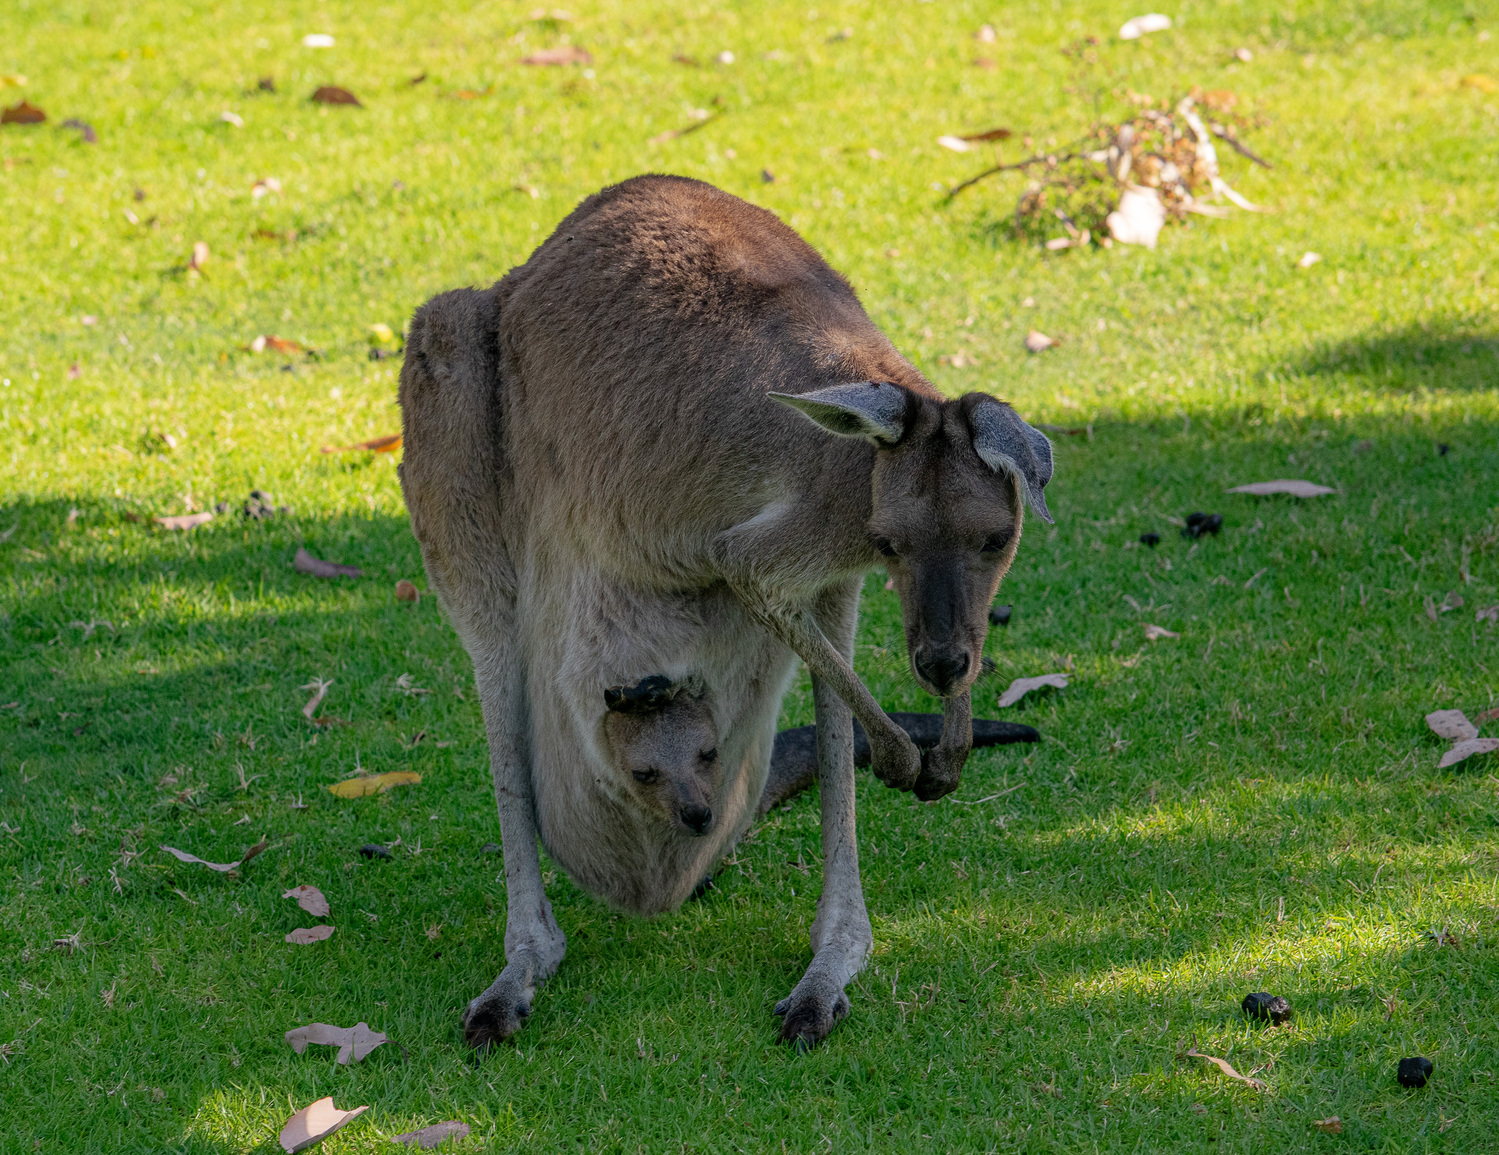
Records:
x=1008, y=445
x=873, y=410
x=644, y=697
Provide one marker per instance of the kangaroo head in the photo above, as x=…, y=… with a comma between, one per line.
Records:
x=949, y=481
x=664, y=746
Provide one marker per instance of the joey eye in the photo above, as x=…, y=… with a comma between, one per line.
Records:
x=709, y=756
x=884, y=545
x=646, y=777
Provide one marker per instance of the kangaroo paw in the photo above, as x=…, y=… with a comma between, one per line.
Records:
x=897, y=763
x=810, y=1012
x=941, y=772
x=498, y=1013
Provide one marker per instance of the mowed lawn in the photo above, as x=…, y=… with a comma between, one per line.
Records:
x=1253, y=805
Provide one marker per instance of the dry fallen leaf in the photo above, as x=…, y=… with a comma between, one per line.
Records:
x=1308, y=259
x=1295, y=488
x=1139, y=218
x=1332, y=1125
x=306, y=934
x=567, y=54
x=1488, y=613
x=1020, y=687
x=275, y=344
x=1451, y=724
x=332, y=94
x=185, y=520
x=199, y=257
x=955, y=143
x=317, y=40
x=221, y=867
x=1154, y=632
x=406, y=592
x=314, y=1123
x=1038, y=342
x=374, y=783
x=1465, y=750
x=1141, y=25
x=84, y=129
x=304, y=562
x=377, y=445
x=23, y=113
x=1243, y=55
x=1481, y=82
x=353, y=1043
x=429, y=1137
x=1226, y=1067
x=310, y=899
x=703, y=119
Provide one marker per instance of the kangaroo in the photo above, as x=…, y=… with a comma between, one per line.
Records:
x=676, y=392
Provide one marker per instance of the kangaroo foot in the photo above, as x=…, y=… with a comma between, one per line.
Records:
x=810, y=1012
x=501, y=1010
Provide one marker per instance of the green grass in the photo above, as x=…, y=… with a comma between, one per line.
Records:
x=1252, y=806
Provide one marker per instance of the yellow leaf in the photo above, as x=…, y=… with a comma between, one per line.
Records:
x=1481, y=82
x=374, y=784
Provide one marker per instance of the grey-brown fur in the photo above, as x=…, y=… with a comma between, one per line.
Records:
x=604, y=419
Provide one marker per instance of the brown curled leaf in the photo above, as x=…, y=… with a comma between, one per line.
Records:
x=310, y=899
x=314, y=1123
x=353, y=1043
x=375, y=445
x=308, y=934
x=304, y=562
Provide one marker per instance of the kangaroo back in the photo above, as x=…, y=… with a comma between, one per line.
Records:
x=454, y=470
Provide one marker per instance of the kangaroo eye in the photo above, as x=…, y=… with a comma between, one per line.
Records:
x=646, y=777
x=884, y=545
x=709, y=756
x=995, y=543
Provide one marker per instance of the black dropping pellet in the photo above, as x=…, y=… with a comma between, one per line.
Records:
x=374, y=850
x=1266, y=1007
x=1201, y=524
x=1150, y=539
x=1414, y=1072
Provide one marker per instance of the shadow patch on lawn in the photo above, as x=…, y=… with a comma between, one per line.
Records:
x=1447, y=356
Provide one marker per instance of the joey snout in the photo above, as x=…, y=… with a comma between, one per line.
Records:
x=696, y=818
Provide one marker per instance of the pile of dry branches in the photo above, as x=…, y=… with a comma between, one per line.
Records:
x=1123, y=180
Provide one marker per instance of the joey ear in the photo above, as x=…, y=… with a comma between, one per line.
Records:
x=873, y=410
x=645, y=696
x=1008, y=445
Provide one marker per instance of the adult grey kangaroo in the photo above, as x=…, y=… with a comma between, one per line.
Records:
x=630, y=394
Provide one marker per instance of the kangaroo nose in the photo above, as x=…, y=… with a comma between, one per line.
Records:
x=943, y=671
x=696, y=818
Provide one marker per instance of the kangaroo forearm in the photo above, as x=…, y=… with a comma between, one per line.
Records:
x=893, y=753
